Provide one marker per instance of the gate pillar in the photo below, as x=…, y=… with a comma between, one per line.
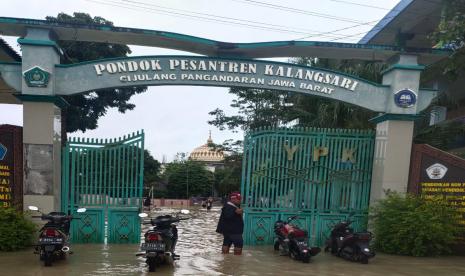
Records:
x=42, y=120
x=394, y=129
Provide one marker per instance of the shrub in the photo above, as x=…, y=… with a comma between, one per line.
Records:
x=16, y=231
x=412, y=225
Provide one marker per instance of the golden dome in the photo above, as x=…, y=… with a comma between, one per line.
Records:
x=205, y=153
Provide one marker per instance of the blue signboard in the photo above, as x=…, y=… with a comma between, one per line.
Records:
x=3, y=151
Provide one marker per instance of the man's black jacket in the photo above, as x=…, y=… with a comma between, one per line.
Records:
x=230, y=222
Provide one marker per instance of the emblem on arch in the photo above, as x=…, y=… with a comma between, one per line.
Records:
x=405, y=98
x=36, y=77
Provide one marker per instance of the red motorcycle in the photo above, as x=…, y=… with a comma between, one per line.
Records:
x=293, y=241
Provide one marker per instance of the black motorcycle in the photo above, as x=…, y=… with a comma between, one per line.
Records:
x=293, y=241
x=54, y=236
x=350, y=245
x=160, y=240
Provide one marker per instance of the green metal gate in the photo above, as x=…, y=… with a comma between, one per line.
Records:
x=318, y=174
x=106, y=177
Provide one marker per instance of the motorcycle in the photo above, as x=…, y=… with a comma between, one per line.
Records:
x=350, y=245
x=293, y=241
x=54, y=236
x=160, y=240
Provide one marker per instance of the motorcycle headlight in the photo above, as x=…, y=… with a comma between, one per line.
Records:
x=366, y=249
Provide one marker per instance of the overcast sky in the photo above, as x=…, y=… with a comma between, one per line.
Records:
x=175, y=117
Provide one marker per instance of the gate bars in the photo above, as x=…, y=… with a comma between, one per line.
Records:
x=103, y=172
x=317, y=172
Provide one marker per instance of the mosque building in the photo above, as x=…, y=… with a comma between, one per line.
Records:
x=207, y=154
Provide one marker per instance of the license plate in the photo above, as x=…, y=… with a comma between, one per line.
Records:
x=153, y=246
x=51, y=240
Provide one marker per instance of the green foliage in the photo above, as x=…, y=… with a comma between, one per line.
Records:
x=16, y=231
x=151, y=168
x=187, y=177
x=451, y=34
x=411, y=225
x=255, y=107
x=228, y=178
x=152, y=175
x=266, y=108
x=86, y=108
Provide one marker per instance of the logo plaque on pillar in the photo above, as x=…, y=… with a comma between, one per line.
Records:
x=3, y=151
x=405, y=98
x=36, y=77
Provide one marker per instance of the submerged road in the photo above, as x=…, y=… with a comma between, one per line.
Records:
x=199, y=247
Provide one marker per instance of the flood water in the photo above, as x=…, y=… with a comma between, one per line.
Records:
x=199, y=247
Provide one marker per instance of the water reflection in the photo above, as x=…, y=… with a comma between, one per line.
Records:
x=199, y=247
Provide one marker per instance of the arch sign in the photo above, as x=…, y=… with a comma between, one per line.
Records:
x=208, y=71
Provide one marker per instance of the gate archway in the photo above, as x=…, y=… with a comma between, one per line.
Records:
x=40, y=80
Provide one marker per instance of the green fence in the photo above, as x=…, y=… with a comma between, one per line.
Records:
x=318, y=174
x=106, y=177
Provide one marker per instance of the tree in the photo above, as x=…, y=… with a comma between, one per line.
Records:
x=85, y=109
x=228, y=178
x=256, y=108
x=323, y=112
x=151, y=171
x=264, y=108
x=451, y=34
x=187, y=177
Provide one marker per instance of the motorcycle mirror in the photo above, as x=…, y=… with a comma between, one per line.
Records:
x=81, y=210
x=143, y=215
x=33, y=208
x=185, y=212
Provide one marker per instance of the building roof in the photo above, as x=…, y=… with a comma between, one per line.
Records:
x=415, y=19
x=206, y=153
x=7, y=54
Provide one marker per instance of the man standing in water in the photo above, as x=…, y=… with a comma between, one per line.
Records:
x=209, y=203
x=231, y=224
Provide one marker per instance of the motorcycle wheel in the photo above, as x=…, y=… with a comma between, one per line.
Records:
x=364, y=259
x=62, y=255
x=306, y=259
x=48, y=259
x=348, y=253
x=152, y=264
x=276, y=246
x=292, y=254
